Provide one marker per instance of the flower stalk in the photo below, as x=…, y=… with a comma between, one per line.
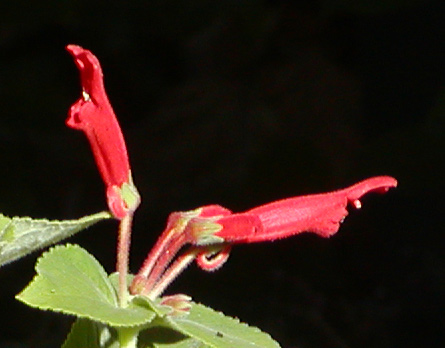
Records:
x=123, y=253
x=153, y=290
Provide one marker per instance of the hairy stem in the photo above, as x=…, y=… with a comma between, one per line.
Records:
x=163, y=261
x=173, y=271
x=159, y=248
x=123, y=252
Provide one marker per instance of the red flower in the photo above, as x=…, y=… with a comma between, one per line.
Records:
x=319, y=213
x=92, y=113
x=213, y=229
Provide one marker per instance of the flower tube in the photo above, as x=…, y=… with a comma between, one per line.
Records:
x=318, y=213
x=92, y=113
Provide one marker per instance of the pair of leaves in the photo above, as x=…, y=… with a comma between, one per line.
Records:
x=20, y=236
x=71, y=281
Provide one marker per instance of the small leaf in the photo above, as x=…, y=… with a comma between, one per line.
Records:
x=89, y=334
x=214, y=329
x=71, y=281
x=143, y=301
x=20, y=236
x=114, y=280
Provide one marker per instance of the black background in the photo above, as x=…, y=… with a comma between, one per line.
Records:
x=241, y=103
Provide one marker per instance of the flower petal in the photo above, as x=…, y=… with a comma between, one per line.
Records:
x=319, y=213
x=240, y=227
x=92, y=113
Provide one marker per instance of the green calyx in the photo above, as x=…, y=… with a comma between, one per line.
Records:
x=203, y=231
x=130, y=195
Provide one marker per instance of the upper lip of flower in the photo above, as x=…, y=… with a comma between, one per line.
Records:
x=90, y=73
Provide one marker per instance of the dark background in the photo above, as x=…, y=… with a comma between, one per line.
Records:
x=241, y=103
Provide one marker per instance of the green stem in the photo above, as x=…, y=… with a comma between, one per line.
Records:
x=123, y=251
x=128, y=337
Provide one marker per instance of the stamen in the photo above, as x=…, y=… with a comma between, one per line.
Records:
x=86, y=96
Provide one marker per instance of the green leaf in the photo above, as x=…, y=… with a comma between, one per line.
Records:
x=71, y=281
x=162, y=337
x=20, y=236
x=89, y=334
x=155, y=306
x=214, y=329
x=114, y=280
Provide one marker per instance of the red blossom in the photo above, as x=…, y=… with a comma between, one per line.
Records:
x=213, y=229
x=318, y=213
x=92, y=113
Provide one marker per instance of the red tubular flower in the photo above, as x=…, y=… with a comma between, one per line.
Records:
x=92, y=113
x=319, y=213
x=213, y=229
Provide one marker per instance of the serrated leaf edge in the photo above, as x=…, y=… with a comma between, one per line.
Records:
x=69, y=312
x=24, y=251
x=103, y=215
x=221, y=314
